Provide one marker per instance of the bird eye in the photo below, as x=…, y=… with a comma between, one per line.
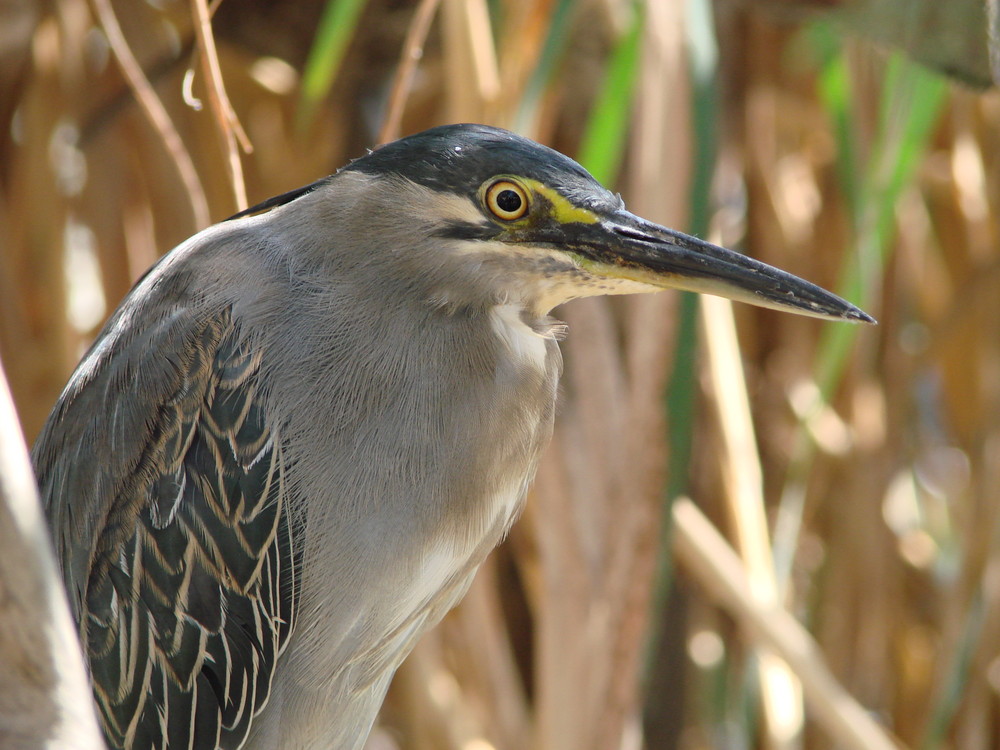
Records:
x=507, y=200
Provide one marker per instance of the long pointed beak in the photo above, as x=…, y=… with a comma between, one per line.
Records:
x=626, y=246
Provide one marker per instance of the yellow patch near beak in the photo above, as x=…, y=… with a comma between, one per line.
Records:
x=562, y=210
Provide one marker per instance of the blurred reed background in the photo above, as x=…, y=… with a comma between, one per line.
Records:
x=856, y=469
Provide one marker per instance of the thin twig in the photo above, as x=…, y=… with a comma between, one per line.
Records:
x=154, y=110
x=413, y=51
x=471, y=68
x=707, y=556
x=228, y=123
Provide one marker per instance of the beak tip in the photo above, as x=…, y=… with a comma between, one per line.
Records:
x=857, y=315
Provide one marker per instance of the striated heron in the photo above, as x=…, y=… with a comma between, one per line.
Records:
x=300, y=434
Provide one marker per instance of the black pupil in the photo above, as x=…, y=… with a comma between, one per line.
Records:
x=508, y=201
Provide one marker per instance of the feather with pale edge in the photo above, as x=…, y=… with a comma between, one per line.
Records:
x=190, y=593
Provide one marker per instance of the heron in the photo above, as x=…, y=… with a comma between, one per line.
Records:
x=300, y=434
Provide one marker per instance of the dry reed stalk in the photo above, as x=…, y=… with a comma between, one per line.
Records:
x=472, y=80
x=486, y=653
x=520, y=43
x=705, y=553
x=154, y=110
x=230, y=130
x=412, y=52
x=37, y=338
x=45, y=692
x=743, y=481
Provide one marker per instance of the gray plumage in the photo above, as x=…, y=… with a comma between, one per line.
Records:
x=297, y=438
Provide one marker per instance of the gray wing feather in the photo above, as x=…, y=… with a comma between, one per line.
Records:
x=163, y=483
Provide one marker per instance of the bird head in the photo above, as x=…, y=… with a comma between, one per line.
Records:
x=540, y=227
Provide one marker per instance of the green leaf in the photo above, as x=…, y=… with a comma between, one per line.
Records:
x=336, y=27
x=606, y=131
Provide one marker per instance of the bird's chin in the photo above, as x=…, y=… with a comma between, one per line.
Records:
x=555, y=292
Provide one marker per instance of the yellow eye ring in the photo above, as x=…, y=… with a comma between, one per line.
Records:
x=507, y=200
